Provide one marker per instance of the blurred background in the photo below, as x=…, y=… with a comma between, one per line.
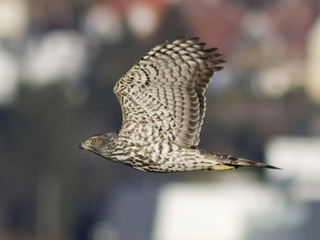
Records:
x=59, y=62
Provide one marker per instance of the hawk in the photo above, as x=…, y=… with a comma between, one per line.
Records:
x=163, y=106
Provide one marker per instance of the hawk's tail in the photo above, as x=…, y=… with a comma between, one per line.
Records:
x=231, y=162
x=240, y=162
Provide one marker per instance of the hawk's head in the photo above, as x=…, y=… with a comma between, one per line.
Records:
x=101, y=144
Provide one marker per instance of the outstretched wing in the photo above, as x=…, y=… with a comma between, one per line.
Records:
x=167, y=86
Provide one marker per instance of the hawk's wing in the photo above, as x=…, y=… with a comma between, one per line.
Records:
x=167, y=86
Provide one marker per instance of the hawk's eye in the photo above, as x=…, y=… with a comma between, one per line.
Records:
x=92, y=141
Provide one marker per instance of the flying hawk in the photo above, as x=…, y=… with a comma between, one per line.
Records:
x=163, y=106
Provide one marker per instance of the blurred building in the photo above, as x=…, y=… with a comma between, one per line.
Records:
x=233, y=210
x=313, y=59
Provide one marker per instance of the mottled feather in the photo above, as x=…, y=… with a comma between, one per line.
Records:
x=174, y=77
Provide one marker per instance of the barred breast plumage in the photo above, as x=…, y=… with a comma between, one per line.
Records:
x=163, y=106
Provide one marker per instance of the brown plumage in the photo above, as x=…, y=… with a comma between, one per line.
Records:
x=163, y=106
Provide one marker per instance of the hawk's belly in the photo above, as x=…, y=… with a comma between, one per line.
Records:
x=148, y=147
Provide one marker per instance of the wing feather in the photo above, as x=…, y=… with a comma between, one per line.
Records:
x=168, y=84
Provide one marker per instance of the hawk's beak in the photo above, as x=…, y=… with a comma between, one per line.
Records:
x=81, y=146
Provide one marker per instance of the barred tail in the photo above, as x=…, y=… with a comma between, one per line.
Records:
x=230, y=162
x=240, y=162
